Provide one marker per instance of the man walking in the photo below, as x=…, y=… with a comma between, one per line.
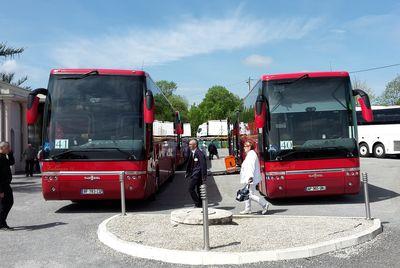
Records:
x=196, y=171
x=212, y=150
x=6, y=193
x=30, y=156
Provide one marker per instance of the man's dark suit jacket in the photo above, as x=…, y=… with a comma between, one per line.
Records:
x=197, y=166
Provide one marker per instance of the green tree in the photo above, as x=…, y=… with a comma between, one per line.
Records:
x=391, y=95
x=5, y=52
x=358, y=84
x=196, y=118
x=167, y=87
x=218, y=103
x=180, y=104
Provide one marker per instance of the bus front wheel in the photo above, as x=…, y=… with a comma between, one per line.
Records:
x=363, y=150
x=379, y=150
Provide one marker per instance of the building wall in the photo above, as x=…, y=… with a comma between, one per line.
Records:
x=13, y=126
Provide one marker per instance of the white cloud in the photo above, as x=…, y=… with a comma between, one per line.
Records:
x=338, y=31
x=258, y=60
x=188, y=38
x=9, y=66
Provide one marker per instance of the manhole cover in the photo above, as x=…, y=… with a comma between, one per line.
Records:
x=195, y=216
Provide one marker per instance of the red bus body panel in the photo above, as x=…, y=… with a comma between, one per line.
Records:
x=270, y=77
x=101, y=71
x=68, y=187
x=291, y=178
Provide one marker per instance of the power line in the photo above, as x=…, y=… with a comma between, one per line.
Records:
x=237, y=83
x=375, y=68
x=241, y=82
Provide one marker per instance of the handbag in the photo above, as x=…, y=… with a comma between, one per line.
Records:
x=243, y=194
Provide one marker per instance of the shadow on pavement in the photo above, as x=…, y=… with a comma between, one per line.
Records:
x=27, y=187
x=172, y=195
x=376, y=194
x=38, y=226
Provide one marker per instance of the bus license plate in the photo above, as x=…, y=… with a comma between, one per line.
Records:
x=91, y=191
x=315, y=188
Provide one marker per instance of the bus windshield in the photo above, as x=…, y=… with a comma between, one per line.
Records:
x=310, y=118
x=94, y=117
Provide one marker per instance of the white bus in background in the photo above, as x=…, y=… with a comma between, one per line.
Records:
x=382, y=136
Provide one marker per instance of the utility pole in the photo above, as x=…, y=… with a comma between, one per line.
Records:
x=249, y=83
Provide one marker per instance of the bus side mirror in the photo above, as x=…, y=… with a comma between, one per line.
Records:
x=33, y=105
x=178, y=126
x=365, y=104
x=148, y=107
x=260, y=112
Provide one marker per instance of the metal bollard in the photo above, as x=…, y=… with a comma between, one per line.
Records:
x=206, y=238
x=367, y=208
x=121, y=181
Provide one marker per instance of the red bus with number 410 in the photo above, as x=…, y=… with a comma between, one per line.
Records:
x=305, y=128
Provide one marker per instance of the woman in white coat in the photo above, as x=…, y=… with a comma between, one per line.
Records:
x=250, y=174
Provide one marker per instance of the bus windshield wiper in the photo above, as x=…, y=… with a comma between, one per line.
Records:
x=337, y=148
x=293, y=81
x=94, y=72
x=129, y=155
x=285, y=155
x=58, y=156
x=290, y=83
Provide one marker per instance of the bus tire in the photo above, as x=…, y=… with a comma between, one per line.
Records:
x=363, y=150
x=379, y=150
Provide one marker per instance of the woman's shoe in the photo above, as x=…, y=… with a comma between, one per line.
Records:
x=265, y=209
x=244, y=212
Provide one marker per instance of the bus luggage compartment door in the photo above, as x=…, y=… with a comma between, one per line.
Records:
x=314, y=182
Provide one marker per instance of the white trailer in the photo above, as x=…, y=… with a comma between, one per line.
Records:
x=187, y=132
x=213, y=128
x=161, y=128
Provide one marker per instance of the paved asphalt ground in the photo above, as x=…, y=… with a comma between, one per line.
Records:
x=63, y=234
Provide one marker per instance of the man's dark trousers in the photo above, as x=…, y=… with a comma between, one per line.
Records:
x=6, y=204
x=196, y=171
x=194, y=190
x=29, y=166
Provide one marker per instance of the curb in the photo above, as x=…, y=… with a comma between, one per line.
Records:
x=219, y=258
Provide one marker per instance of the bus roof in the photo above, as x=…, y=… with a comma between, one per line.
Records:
x=269, y=77
x=101, y=71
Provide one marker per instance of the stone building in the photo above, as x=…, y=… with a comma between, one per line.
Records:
x=13, y=127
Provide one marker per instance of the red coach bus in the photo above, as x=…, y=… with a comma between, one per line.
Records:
x=305, y=128
x=99, y=122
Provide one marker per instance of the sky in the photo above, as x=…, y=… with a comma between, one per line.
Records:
x=198, y=44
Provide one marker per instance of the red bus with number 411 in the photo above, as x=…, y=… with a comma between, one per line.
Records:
x=98, y=123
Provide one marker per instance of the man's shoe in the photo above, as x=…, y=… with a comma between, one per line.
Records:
x=244, y=212
x=265, y=209
x=5, y=227
x=198, y=206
